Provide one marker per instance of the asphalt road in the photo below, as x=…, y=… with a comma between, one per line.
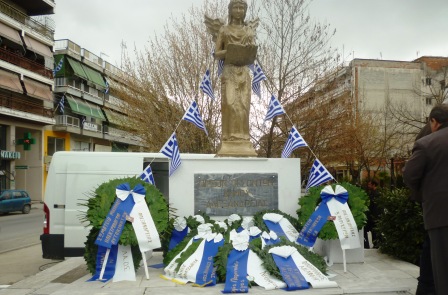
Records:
x=19, y=230
x=20, y=247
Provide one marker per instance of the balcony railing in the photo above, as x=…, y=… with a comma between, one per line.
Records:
x=66, y=120
x=43, y=29
x=24, y=105
x=25, y=63
x=97, y=95
x=66, y=44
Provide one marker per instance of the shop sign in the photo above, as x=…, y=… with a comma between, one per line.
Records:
x=9, y=155
x=90, y=126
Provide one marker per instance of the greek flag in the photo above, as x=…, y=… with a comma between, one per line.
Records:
x=258, y=77
x=192, y=115
x=147, y=175
x=206, y=85
x=220, y=67
x=59, y=66
x=318, y=175
x=275, y=109
x=220, y=63
x=61, y=104
x=295, y=140
x=106, y=91
x=171, y=150
x=83, y=120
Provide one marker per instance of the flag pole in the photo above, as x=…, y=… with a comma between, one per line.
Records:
x=145, y=264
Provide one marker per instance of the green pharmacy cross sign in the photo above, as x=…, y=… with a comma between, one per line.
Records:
x=26, y=141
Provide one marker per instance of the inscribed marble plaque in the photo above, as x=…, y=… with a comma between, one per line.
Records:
x=223, y=194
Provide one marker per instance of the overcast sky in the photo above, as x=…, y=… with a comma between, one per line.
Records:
x=371, y=29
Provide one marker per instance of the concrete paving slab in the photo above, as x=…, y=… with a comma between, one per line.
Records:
x=380, y=274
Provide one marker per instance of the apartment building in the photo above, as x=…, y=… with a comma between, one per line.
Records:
x=88, y=114
x=26, y=99
x=398, y=95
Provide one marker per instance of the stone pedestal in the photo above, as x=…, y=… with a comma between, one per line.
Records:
x=237, y=148
x=332, y=251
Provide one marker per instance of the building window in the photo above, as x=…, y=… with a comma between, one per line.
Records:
x=428, y=101
x=54, y=145
x=81, y=146
x=428, y=81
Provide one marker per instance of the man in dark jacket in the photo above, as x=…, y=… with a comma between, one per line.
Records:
x=426, y=172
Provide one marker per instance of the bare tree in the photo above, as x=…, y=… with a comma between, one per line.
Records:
x=294, y=52
x=163, y=79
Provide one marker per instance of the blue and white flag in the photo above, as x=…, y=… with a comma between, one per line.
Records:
x=106, y=90
x=147, y=175
x=83, y=120
x=192, y=115
x=295, y=140
x=258, y=77
x=59, y=66
x=61, y=104
x=171, y=150
x=206, y=85
x=220, y=63
x=275, y=109
x=220, y=67
x=318, y=175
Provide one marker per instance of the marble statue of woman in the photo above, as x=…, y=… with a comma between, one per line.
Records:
x=235, y=44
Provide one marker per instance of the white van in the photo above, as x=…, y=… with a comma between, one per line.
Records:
x=72, y=177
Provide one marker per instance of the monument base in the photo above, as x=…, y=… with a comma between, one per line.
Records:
x=221, y=186
x=331, y=250
x=236, y=148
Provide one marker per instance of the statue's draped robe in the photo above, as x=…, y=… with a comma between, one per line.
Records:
x=235, y=85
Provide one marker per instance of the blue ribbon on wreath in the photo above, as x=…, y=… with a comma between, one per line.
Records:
x=112, y=228
x=317, y=220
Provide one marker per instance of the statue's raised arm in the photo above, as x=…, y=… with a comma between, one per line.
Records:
x=235, y=44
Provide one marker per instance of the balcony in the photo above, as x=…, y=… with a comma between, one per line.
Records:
x=25, y=63
x=66, y=120
x=75, y=88
x=24, y=105
x=37, y=7
x=122, y=136
x=72, y=48
x=45, y=30
x=73, y=125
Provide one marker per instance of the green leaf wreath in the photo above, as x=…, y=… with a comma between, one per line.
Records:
x=192, y=224
x=99, y=205
x=358, y=202
x=258, y=220
x=271, y=267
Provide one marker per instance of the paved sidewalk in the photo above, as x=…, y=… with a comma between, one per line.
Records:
x=379, y=274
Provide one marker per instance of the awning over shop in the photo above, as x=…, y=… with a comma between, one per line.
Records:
x=94, y=76
x=84, y=108
x=38, y=90
x=10, y=33
x=10, y=81
x=114, y=118
x=37, y=47
x=77, y=68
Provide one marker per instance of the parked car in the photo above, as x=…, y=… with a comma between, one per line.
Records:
x=15, y=200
